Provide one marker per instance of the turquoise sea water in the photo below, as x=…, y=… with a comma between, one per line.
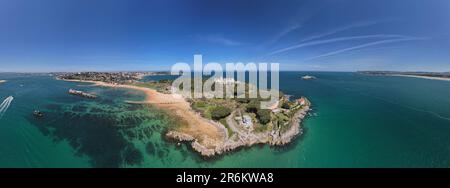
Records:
x=361, y=121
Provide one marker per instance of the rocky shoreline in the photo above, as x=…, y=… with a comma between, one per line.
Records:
x=239, y=140
x=207, y=145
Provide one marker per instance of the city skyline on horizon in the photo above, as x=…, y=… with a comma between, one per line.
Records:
x=340, y=36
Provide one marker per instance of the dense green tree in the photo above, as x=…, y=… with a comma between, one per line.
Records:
x=285, y=105
x=253, y=106
x=242, y=100
x=263, y=116
x=220, y=112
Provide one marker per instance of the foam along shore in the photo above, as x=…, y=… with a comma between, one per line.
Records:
x=207, y=137
x=240, y=138
x=202, y=131
x=423, y=77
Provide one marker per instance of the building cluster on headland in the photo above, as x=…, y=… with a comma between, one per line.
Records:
x=213, y=126
x=242, y=122
x=107, y=77
x=241, y=128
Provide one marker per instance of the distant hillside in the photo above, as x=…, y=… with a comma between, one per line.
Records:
x=431, y=74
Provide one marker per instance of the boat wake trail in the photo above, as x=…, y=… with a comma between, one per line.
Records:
x=5, y=105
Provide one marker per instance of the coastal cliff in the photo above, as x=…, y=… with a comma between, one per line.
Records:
x=235, y=130
x=247, y=139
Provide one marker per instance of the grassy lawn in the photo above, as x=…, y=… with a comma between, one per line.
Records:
x=203, y=107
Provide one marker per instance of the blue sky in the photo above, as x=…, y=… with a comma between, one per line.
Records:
x=335, y=35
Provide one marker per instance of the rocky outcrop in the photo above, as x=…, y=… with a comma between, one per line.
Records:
x=279, y=139
x=202, y=149
x=179, y=136
x=241, y=139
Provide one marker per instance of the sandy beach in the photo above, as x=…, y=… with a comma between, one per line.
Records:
x=203, y=130
x=206, y=136
x=423, y=77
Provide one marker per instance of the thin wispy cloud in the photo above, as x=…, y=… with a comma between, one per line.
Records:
x=366, y=45
x=283, y=33
x=219, y=39
x=333, y=40
x=380, y=48
x=302, y=16
x=344, y=28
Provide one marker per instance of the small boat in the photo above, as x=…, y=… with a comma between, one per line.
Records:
x=308, y=77
x=38, y=113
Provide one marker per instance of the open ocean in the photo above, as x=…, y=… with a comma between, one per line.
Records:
x=358, y=121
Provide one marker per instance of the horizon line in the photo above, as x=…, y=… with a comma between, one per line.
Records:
x=49, y=72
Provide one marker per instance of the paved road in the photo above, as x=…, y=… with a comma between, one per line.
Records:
x=242, y=135
x=232, y=124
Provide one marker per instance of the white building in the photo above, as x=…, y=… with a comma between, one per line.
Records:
x=247, y=121
x=222, y=80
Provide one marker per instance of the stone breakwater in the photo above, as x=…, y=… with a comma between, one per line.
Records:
x=238, y=140
x=208, y=137
x=82, y=94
